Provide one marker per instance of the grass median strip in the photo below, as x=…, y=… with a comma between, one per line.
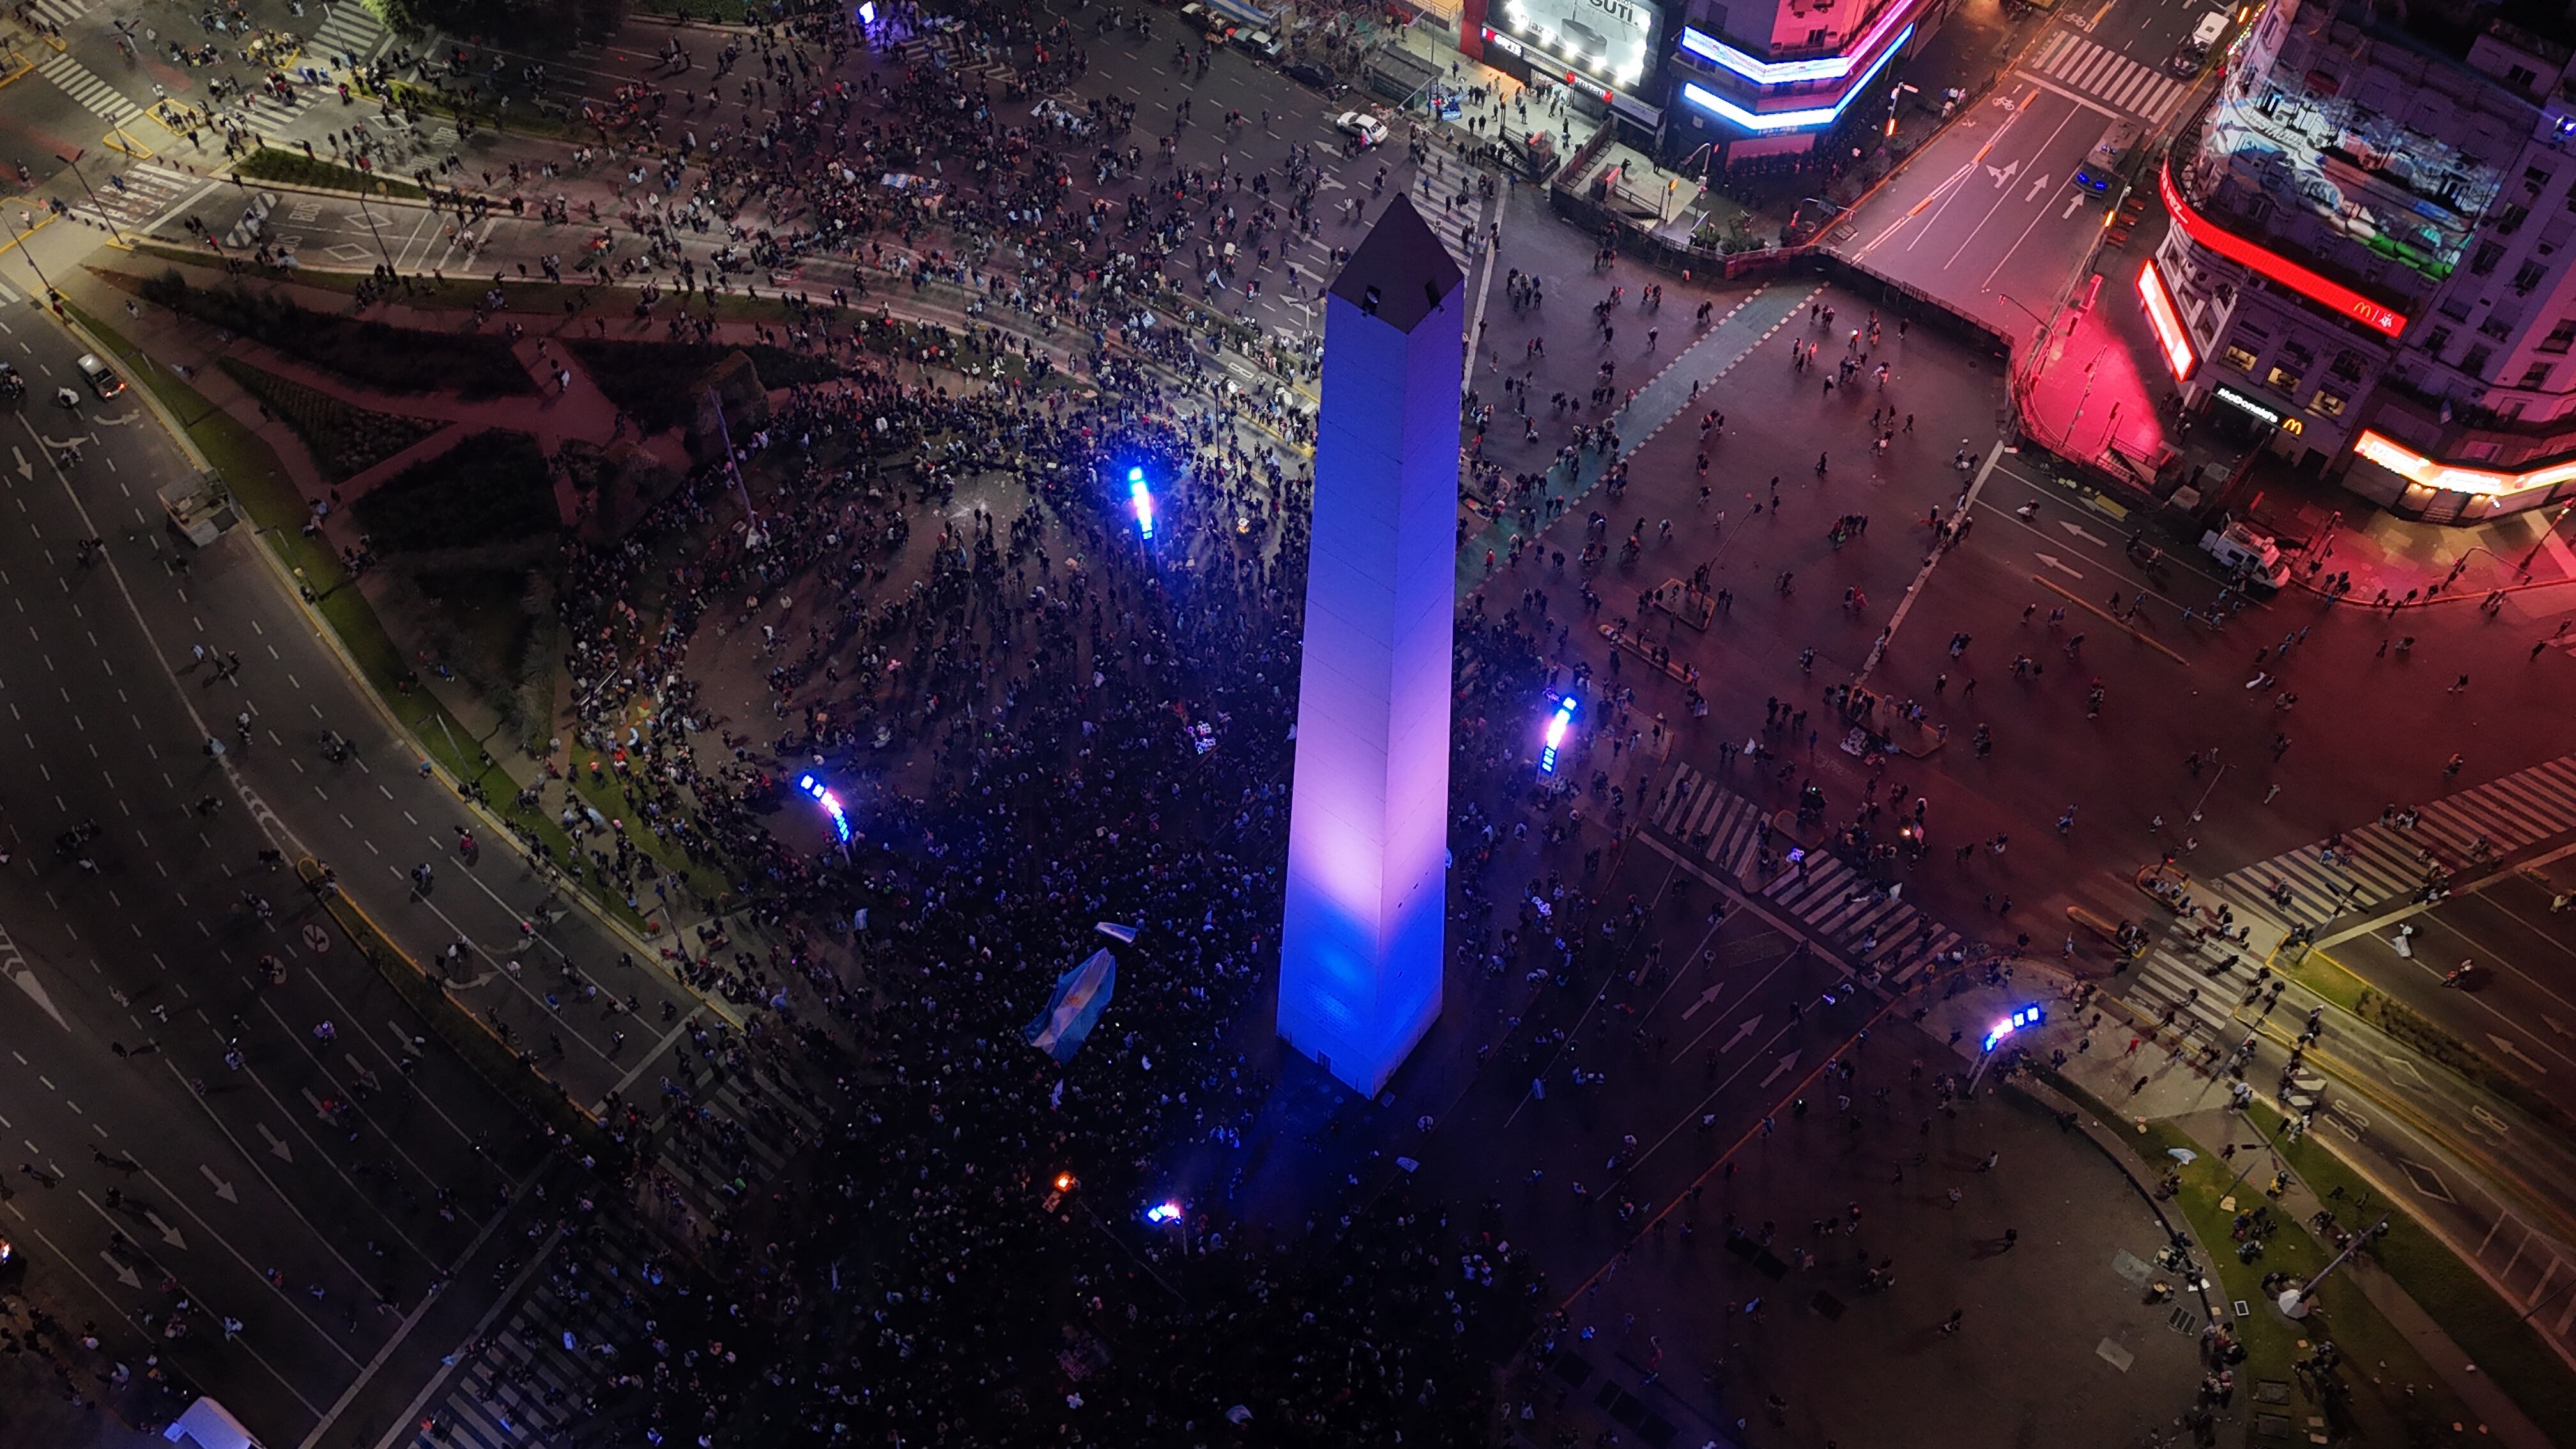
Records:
x=2496, y=1335
x=494, y=1060
x=289, y=169
x=266, y=494
x=2383, y=1392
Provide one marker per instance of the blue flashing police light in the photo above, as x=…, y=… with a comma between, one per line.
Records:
x=2022, y=1018
x=1142, y=498
x=867, y=12
x=830, y=801
x=1557, y=726
x=1163, y=1212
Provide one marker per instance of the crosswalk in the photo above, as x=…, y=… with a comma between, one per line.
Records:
x=2383, y=862
x=2114, y=80
x=83, y=85
x=2198, y=988
x=524, y=1383
x=60, y=12
x=1878, y=934
x=727, y=1117
x=350, y=35
x=137, y=197
x=729, y=1126
x=941, y=53
x=2198, y=993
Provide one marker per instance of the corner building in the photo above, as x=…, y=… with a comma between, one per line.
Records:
x=2366, y=266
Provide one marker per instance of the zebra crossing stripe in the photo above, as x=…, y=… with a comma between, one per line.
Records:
x=2382, y=863
x=2166, y=981
x=351, y=31
x=2112, y=78
x=61, y=12
x=1868, y=928
x=94, y=95
x=8, y=297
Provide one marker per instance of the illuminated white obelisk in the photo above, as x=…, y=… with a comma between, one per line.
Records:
x=1361, y=945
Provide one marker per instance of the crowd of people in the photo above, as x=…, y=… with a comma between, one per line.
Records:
x=1015, y=715
x=1039, y=721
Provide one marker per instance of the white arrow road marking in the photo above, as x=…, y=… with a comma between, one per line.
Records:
x=223, y=1189
x=1742, y=1032
x=2003, y=174
x=2556, y=1026
x=25, y=468
x=276, y=1145
x=2053, y=561
x=2513, y=1049
x=168, y=1233
x=124, y=1274
x=2077, y=529
x=1705, y=998
x=2037, y=184
x=1780, y=1070
x=25, y=976
x=2072, y=202
x=121, y=419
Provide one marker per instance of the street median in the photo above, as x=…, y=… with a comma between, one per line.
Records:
x=507, y=1069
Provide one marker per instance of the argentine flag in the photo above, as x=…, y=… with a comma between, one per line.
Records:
x=1081, y=994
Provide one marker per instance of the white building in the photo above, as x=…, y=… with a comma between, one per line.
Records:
x=2368, y=257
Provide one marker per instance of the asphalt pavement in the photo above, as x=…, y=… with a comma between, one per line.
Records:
x=1990, y=217
x=139, y=911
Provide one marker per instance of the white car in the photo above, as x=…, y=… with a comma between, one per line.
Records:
x=1368, y=128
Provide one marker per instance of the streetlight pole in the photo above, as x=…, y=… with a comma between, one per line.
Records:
x=73, y=161
x=390, y=271
x=2294, y=1301
x=2233, y=1183
x=724, y=431
x=18, y=239
x=2545, y=535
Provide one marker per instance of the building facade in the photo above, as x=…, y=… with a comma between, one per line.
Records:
x=1603, y=54
x=1785, y=81
x=2367, y=258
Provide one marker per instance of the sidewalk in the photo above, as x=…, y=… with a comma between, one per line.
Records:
x=1850, y=1235
x=2151, y=1087
x=2333, y=533
x=2098, y=392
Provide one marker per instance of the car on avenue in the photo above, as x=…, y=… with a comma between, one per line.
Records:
x=102, y=378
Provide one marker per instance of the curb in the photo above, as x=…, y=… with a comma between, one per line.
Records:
x=609, y=926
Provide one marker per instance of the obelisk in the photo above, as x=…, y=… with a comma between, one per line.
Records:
x=1361, y=943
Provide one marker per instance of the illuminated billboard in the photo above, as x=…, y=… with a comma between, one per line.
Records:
x=2423, y=472
x=1810, y=118
x=1611, y=40
x=2171, y=339
x=2305, y=281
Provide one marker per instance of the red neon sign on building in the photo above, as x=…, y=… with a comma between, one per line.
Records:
x=2271, y=264
x=2167, y=323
